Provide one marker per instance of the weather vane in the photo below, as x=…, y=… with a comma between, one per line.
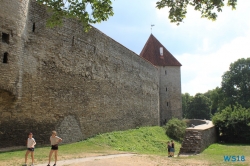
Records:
x=151, y=27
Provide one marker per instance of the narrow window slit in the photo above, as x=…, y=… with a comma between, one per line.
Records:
x=34, y=27
x=5, y=57
x=73, y=41
x=5, y=38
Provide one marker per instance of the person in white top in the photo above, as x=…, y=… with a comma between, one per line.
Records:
x=30, y=148
x=54, y=141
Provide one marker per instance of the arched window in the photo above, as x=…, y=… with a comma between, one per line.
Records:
x=5, y=57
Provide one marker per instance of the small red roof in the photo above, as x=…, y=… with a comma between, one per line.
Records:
x=151, y=52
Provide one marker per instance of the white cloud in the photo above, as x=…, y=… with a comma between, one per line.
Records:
x=205, y=71
x=214, y=45
x=205, y=45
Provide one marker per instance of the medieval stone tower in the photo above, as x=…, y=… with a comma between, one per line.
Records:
x=170, y=78
x=13, y=23
x=79, y=84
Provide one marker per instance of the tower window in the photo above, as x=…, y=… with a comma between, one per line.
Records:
x=165, y=72
x=5, y=38
x=34, y=27
x=161, y=51
x=73, y=41
x=5, y=57
x=166, y=89
x=167, y=104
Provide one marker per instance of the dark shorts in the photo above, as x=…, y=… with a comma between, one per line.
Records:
x=172, y=150
x=168, y=149
x=31, y=149
x=54, y=147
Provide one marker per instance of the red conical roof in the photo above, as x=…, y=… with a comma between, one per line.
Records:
x=151, y=52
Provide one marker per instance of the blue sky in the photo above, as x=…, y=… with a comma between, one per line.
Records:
x=205, y=48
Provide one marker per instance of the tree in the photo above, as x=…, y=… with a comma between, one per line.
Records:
x=95, y=11
x=233, y=124
x=199, y=107
x=186, y=98
x=235, y=84
x=208, y=8
x=176, y=128
x=87, y=11
x=215, y=98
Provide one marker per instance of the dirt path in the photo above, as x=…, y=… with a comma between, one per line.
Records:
x=81, y=161
x=128, y=159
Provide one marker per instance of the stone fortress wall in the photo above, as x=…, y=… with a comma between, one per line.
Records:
x=63, y=79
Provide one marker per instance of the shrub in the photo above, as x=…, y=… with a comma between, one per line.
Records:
x=176, y=128
x=233, y=124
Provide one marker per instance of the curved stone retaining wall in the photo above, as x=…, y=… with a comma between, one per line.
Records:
x=199, y=137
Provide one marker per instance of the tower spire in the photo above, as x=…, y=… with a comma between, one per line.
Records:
x=152, y=27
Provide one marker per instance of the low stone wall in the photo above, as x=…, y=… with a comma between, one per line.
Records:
x=195, y=122
x=198, y=138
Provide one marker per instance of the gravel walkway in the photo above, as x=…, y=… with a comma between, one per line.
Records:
x=87, y=159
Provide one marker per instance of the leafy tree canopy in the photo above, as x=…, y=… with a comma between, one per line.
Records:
x=87, y=11
x=216, y=99
x=208, y=8
x=186, y=98
x=95, y=11
x=199, y=107
x=176, y=128
x=233, y=124
x=235, y=83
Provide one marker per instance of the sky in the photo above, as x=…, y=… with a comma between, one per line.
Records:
x=205, y=48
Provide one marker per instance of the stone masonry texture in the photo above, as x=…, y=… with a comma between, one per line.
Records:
x=169, y=93
x=197, y=140
x=79, y=84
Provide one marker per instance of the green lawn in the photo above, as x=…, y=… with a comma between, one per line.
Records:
x=145, y=140
x=215, y=153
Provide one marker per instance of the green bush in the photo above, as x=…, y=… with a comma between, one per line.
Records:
x=233, y=124
x=176, y=128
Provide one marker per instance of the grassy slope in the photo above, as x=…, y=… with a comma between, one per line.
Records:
x=145, y=140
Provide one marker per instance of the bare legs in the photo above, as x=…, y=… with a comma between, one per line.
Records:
x=51, y=153
x=31, y=154
x=26, y=156
x=56, y=156
x=172, y=154
x=32, y=157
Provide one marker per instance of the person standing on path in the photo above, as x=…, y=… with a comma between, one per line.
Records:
x=169, y=148
x=30, y=148
x=172, y=150
x=54, y=141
